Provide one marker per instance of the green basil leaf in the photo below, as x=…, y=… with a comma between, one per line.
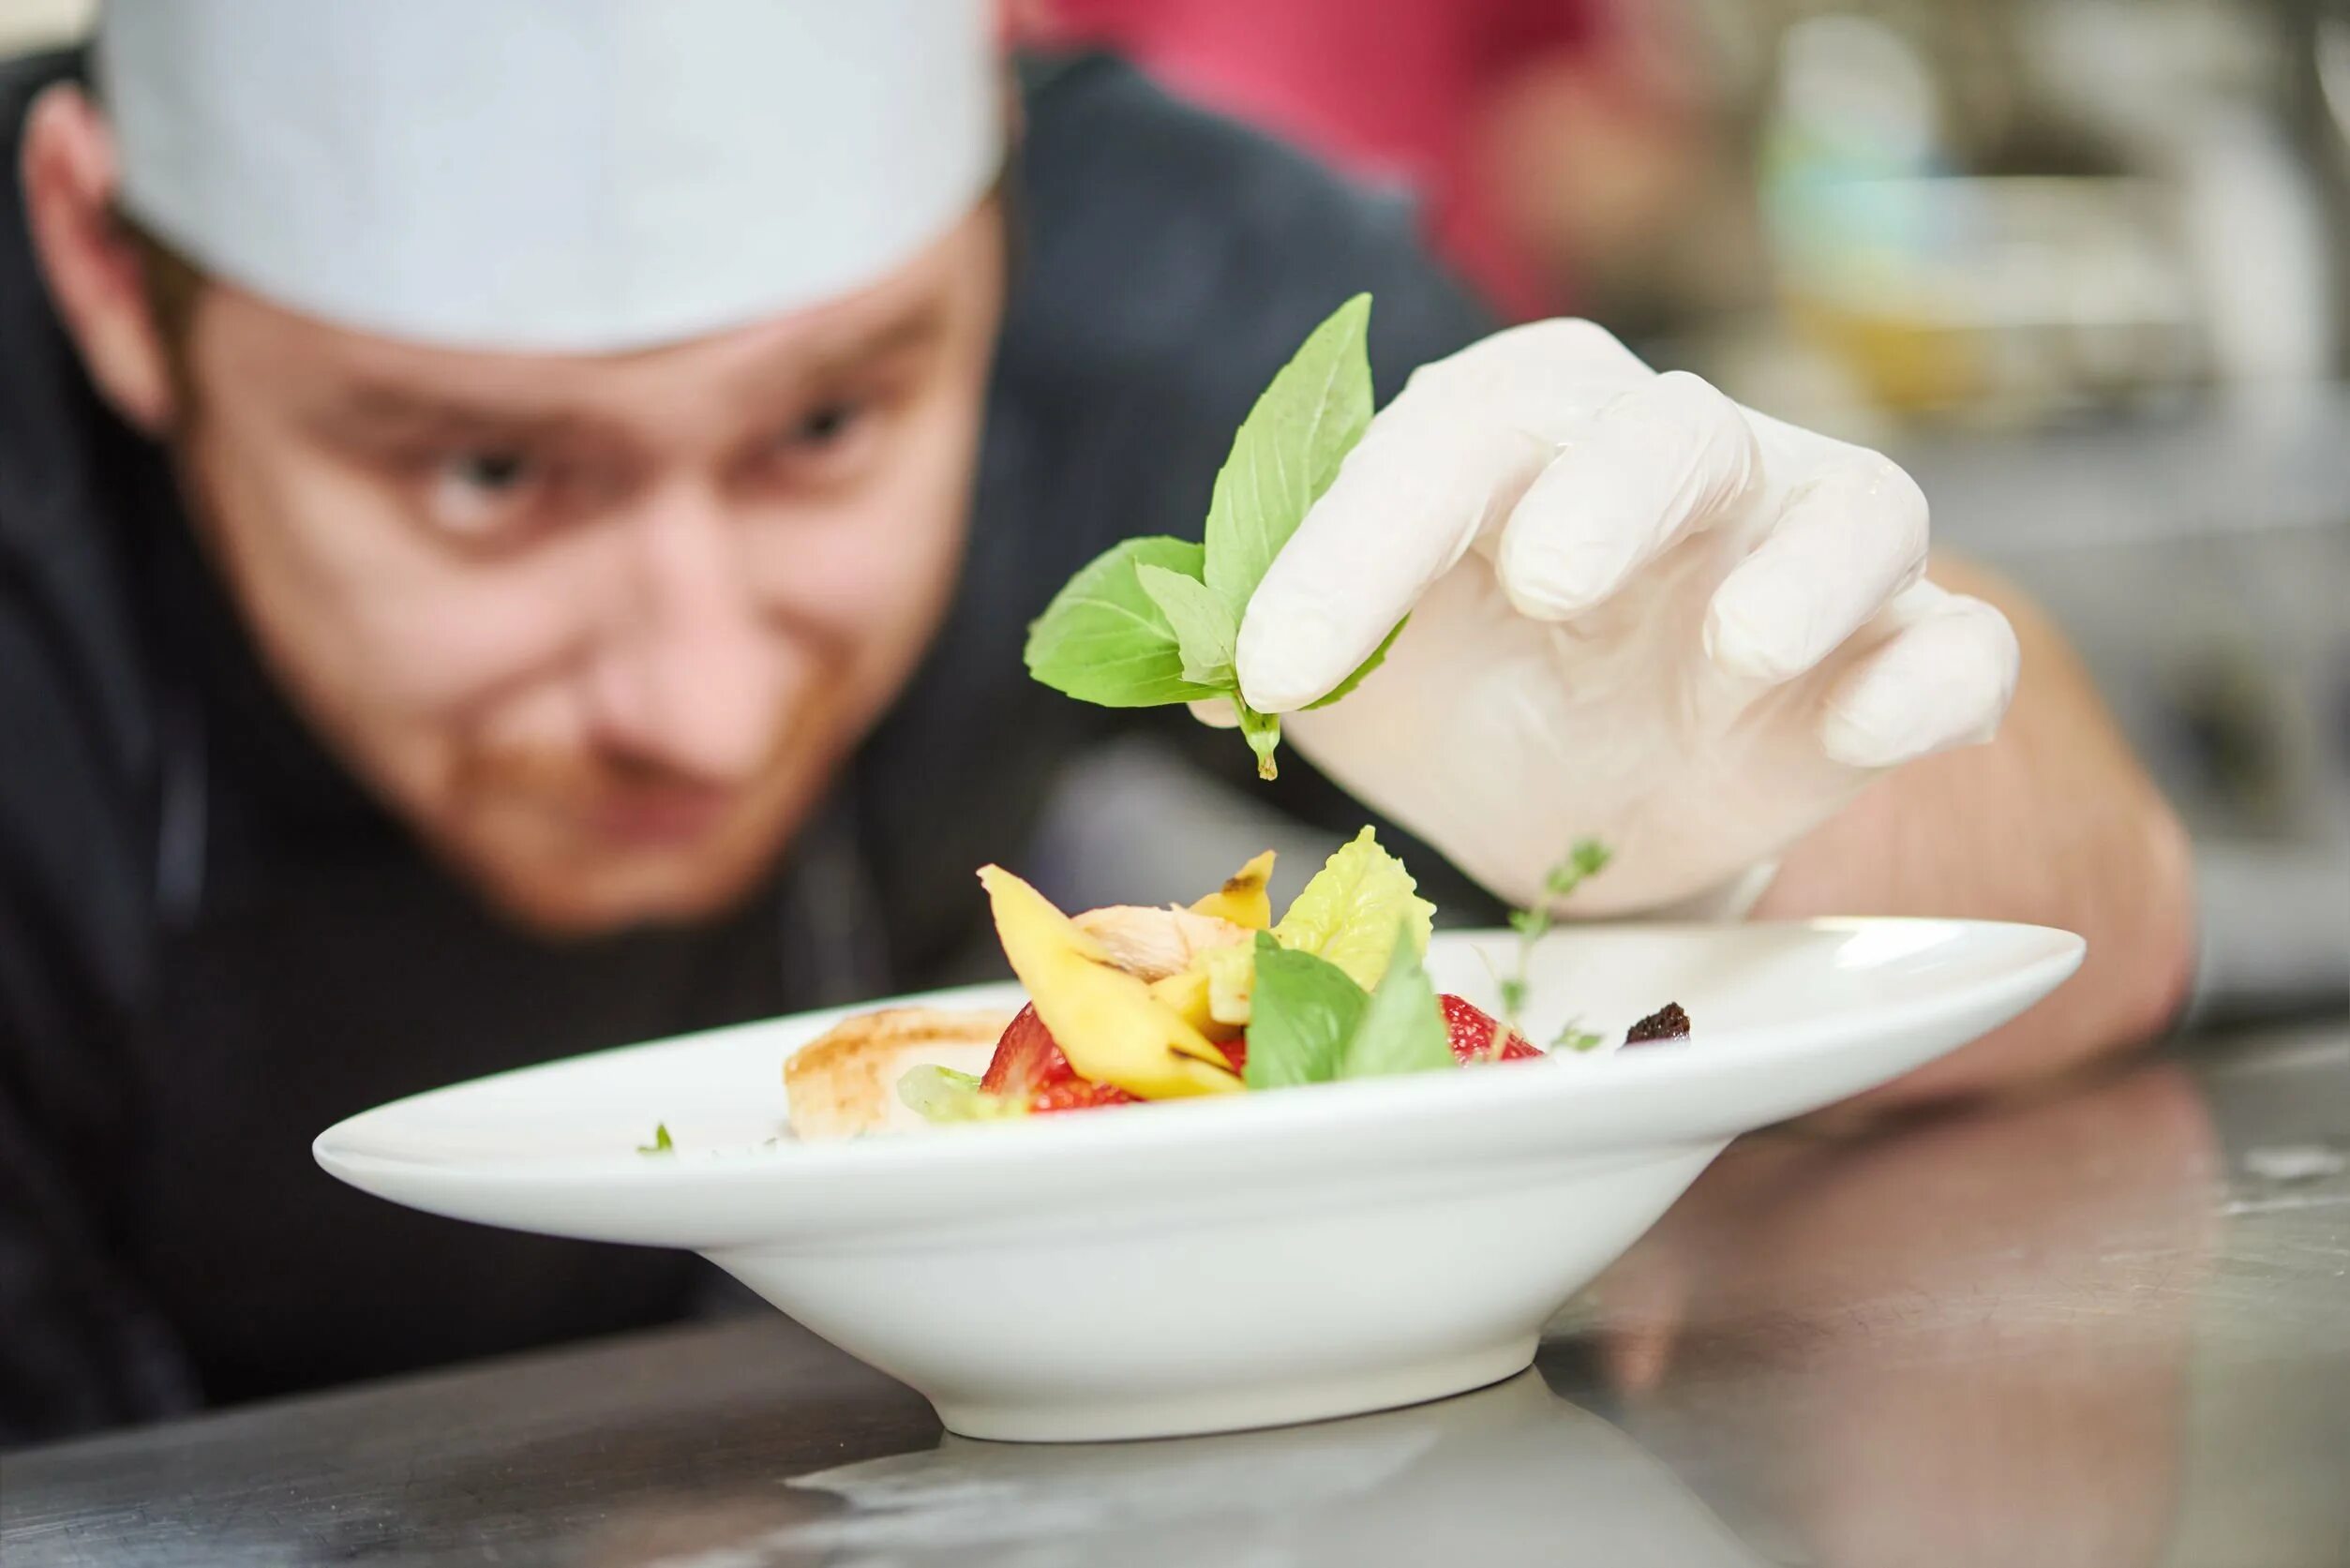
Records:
x=661, y=1144
x=1403, y=1029
x=1302, y=1011
x=1378, y=657
x=1124, y=637
x=1204, y=626
x=1103, y=639
x=1287, y=452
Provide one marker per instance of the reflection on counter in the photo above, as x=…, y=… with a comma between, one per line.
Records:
x=1514, y=1473
x=1965, y=1340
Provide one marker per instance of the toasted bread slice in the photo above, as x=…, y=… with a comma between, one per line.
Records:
x=844, y=1084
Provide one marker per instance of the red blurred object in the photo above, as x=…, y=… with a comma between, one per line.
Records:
x=1399, y=92
x=1473, y=1029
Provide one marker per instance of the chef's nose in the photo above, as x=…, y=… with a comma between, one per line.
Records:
x=688, y=673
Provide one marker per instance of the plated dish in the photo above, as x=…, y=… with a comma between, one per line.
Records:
x=1130, y=1004
x=1228, y=1259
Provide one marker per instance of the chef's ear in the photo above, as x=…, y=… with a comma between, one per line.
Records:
x=89, y=259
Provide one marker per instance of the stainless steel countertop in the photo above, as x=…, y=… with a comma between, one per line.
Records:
x=2110, y=1326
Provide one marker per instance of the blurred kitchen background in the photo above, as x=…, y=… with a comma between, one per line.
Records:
x=2080, y=265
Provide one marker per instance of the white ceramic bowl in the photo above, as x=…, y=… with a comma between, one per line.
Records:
x=1217, y=1264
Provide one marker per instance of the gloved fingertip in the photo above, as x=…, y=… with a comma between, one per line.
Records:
x=1288, y=654
x=1214, y=713
x=1549, y=578
x=1854, y=742
x=1870, y=749
x=1938, y=688
x=1750, y=640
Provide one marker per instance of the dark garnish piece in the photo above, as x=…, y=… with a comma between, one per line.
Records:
x=1667, y=1023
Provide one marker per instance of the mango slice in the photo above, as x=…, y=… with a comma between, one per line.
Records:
x=1242, y=899
x=1187, y=996
x=1107, y=1022
x=1232, y=977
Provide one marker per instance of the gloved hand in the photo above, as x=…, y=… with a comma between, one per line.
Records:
x=1641, y=613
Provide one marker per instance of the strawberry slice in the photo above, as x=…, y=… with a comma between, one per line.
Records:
x=1472, y=1030
x=1029, y=1066
x=1078, y=1094
x=1028, y=1059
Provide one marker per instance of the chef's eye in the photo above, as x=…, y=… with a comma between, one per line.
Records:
x=825, y=426
x=828, y=445
x=476, y=493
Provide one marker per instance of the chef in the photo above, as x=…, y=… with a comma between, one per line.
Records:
x=518, y=520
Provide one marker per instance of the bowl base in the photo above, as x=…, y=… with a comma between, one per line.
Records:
x=1235, y=1410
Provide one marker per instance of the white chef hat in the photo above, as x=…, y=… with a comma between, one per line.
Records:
x=565, y=175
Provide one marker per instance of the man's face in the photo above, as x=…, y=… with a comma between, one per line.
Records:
x=600, y=628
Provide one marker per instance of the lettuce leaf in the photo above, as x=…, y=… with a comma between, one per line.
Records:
x=1348, y=914
x=941, y=1095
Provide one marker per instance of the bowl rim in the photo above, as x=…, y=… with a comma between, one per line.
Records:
x=1513, y=1109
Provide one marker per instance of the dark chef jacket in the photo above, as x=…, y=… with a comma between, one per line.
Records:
x=213, y=944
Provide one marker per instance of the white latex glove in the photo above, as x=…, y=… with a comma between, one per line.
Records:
x=1639, y=613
